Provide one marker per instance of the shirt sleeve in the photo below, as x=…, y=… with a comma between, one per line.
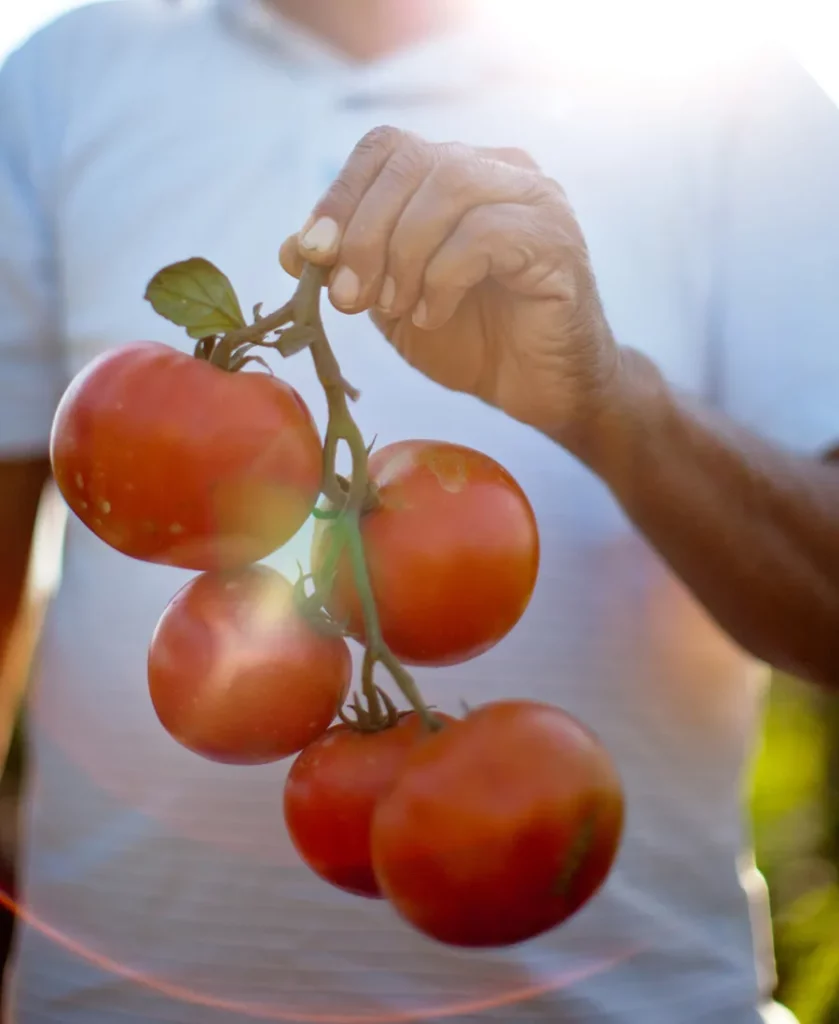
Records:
x=32, y=372
x=778, y=251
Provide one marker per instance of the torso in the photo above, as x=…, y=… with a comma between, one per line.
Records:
x=182, y=869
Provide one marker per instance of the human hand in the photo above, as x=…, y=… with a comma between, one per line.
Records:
x=472, y=264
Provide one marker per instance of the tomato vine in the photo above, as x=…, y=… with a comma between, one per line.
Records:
x=428, y=554
x=294, y=327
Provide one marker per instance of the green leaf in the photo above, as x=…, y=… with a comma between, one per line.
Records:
x=196, y=295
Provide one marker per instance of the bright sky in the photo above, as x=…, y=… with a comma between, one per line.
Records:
x=810, y=26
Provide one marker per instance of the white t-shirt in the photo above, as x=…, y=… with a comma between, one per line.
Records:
x=162, y=887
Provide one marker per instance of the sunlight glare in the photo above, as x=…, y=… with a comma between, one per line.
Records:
x=20, y=20
x=661, y=41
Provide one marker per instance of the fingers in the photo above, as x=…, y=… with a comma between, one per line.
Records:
x=360, y=274
x=453, y=189
x=406, y=159
x=397, y=202
x=526, y=248
x=321, y=235
x=349, y=220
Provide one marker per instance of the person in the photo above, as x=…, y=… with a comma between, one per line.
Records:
x=658, y=369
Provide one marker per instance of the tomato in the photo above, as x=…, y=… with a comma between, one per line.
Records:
x=237, y=675
x=453, y=553
x=170, y=459
x=499, y=827
x=331, y=793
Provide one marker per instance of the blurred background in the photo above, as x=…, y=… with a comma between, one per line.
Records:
x=794, y=787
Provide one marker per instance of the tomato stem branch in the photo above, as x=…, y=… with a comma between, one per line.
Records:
x=298, y=324
x=342, y=427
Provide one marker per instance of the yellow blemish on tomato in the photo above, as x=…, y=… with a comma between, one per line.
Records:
x=396, y=464
x=105, y=506
x=176, y=528
x=79, y=481
x=450, y=469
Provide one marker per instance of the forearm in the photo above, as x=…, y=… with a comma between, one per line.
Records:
x=21, y=485
x=751, y=529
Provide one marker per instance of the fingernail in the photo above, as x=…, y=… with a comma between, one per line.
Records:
x=387, y=294
x=420, y=314
x=321, y=236
x=345, y=287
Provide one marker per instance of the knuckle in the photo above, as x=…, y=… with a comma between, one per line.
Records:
x=551, y=197
x=369, y=155
x=552, y=192
x=480, y=225
x=517, y=157
x=341, y=196
x=382, y=138
x=538, y=190
x=455, y=174
x=409, y=164
x=558, y=229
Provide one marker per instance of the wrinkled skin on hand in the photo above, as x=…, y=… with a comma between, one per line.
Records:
x=472, y=264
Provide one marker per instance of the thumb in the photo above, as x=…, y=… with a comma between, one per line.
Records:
x=290, y=259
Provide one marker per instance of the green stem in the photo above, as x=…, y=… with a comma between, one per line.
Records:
x=252, y=335
x=377, y=650
x=349, y=499
x=342, y=427
x=377, y=717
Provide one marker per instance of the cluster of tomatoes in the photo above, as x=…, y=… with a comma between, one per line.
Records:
x=482, y=830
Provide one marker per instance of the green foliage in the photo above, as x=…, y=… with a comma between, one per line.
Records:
x=196, y=295
x=796, y=830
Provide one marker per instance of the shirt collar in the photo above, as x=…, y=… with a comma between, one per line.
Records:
x=466, y=61
x=265, y=25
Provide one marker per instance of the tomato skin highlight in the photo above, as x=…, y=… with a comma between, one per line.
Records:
x=237, y=675
x=500, y=827
x=452, y=550
x=331, y=793
x=169, y=459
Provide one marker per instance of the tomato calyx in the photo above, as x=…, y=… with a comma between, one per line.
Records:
x=375, y=716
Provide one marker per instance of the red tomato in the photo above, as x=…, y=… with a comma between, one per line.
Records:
x=169, y=459
x=237, y=675
x=332, y=790
x=499, y=827
x=453, y=553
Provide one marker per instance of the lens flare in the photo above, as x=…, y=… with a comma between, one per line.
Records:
x=265, y=1011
